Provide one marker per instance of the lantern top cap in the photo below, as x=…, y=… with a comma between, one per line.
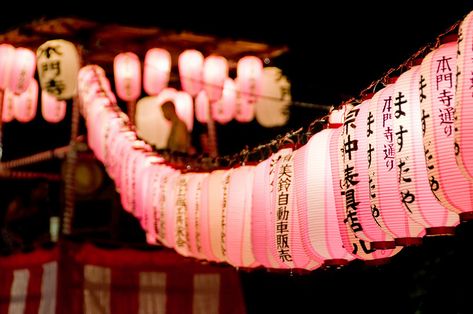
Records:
x=448, y=38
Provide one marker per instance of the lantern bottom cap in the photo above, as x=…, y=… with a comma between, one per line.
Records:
x=383, y=245
x=335, y=262
x=408, y=241
x=440, y=231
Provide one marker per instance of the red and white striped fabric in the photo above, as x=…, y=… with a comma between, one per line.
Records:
x=88, y=279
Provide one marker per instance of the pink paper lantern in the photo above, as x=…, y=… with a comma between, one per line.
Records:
x=250, y=77
x=194, y=213
x=27, y=103
x=8, y=113
x=316, y=201
x=437, y=101
x=215, y=72
x=7, y=58
x=22, y=70
x=127, y=72
x=185, y=108
x=52, y=109
x=180, y=212
x=238, y=219
x=245, y=111
x=357, y=247
x=191, y=64
x=157, y=69
x=382, y=171
x=414, y=182
x=202, y=107
x=167, y=209
x=147, y=162
x=285, y=243
x=224, y=109
x=463, y=121
x=205, y=230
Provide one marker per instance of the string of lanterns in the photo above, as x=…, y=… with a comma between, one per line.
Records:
x=374, y=176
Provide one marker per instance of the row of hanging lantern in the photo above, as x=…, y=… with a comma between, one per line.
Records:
x=380, y=179
x=207, y=79
x=58, y=64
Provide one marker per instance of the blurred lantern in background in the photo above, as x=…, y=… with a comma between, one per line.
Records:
x=22, y=70
x=437, y=101
x=26, y=103
x=250, y=74
x=223, y=110
x=202, y=107
x=8, y=113
x=58, y=67
x=191, y=63
x=7, y=57
x=463, y=121
x=185, y=108
x=272, y=107
x=52, y=109
x=157, y=68
x=215, y=73
x=127, y=72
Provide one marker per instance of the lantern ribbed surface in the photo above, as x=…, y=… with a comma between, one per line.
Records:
x=7, y=58
x=157, y=68
x=194, y=213
x=52, y=109
x=414, y=183
x=238, y=219
x=315, y=200
x=26, y=103
x=384, y=185
x=22, y=70
x=205, y=229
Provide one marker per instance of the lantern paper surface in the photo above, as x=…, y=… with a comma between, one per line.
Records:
x=271, y=109
x=194, y=206
x=157, y=68
x=202, y=107
x=185, y=108
x=7, y=57
x=52, y=109
x=215, y=72
x=191, y=64
x=384, y=184
x=58, y=67
x=250, y=76
x=127, y=73
x=167, y=209
x=414, y=182
x=316, y=201
x=239, y=252
x=437, y=101
x=223, y=110
x=463, y=121
x=8, y=113
x=22, y=70
x=180, y=211
x=359, y=248
x=26, y=103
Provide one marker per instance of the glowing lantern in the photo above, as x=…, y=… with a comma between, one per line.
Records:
x=180, y=213
x=185, y=108
x=437, y=100
x=150, y=122
x=223, y=110
x=245, y=111
x=238, y=244
x=249, y=74
x=360, y=215
x=26, y=103
x=414, y=183
x=215, y=72
x=156, y=71
x=359, y=248
x=52, y=109
x=127, y=71
x=7, y=57
x=191, y=64
x=194, y=217
x=167, y=209
x=316, y=202
x=145, y=167
x=384, y=184
x=271, y=108
x=22, y=70
x=8, y=113
x=58, y=67
x=464, y=99
x=202, y=107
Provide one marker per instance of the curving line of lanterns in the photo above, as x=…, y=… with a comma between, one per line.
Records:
x=384, y=174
